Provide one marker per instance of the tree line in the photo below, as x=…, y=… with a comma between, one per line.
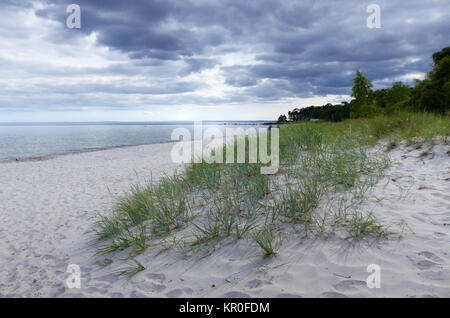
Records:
x=431, y=94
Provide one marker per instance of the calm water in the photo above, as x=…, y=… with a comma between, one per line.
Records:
x=35, y=140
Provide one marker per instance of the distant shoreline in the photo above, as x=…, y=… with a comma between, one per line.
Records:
x=135, y=123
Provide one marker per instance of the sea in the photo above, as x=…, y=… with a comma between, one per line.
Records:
x=34, y=140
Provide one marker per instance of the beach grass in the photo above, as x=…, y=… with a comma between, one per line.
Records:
x=266, y=238
x=322, y=164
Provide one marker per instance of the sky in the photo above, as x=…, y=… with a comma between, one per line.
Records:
x=152, y=60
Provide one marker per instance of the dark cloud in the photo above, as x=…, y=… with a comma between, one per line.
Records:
x=195, y=65
x=239, y=76
x=300, y=48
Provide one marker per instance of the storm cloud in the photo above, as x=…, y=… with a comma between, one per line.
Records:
x=145, y=53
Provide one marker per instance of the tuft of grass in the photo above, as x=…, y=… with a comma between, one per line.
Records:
x=139, y=240
x=360, y=224
x=171, y=205
x=298, y=201
x=244, y=228
x=267, y=240
x=227, y=221
x=207, y=231
x=106, y=228
x=133, y=267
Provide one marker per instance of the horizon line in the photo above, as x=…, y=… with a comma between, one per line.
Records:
x=126, y=122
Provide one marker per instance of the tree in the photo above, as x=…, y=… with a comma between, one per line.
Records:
x=433, y=93
x=441, y=54
x=362, y=92
x=326, y=112
x=282, y=119
x=397, y=96
x=379, y=97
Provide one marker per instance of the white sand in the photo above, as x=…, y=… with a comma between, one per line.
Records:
x=46, y=206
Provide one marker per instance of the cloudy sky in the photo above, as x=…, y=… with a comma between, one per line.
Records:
x=204, y=59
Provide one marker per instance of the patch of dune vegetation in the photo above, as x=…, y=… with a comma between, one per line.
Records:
x=327, y=171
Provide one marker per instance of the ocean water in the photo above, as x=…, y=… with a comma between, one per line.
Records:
x=19, y=141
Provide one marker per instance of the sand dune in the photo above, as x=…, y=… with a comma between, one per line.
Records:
x=46, y=208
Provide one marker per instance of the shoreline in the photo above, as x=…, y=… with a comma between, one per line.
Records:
x=75, y=152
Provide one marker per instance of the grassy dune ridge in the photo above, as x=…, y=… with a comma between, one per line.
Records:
x=327, y=171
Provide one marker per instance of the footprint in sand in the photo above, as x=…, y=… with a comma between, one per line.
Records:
x=431, y=256
x=333, y=295
x=152, y=282
x=233, y=279
x=349, y=285
x=150, y=287
x=236, y=294
x=425, y=264
x=431, y=260
x=439, y=275
x=179, y=292
x=156, y=277
x=256, y=283
x=422, y=264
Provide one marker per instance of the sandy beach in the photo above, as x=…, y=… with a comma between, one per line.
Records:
x=47, y=206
